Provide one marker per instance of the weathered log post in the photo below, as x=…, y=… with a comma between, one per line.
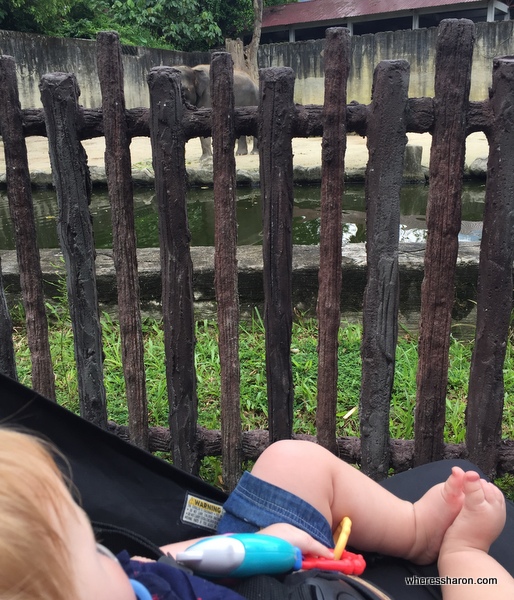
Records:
x=337, y=58
x=118, y=169
x=276, y=115
x=333, y=147
x=225, y=261
x=484, y=411
x=386, y=132
x=454, y=54
x=22, y=215
x=59, y=95
x=168, y=151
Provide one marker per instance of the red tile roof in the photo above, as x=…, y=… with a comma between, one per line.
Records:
x=337, y=10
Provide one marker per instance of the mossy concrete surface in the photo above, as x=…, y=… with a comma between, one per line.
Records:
x=250, y=264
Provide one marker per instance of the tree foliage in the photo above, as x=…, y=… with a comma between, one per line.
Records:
x=176, y=24
x=36, y=16
x=181, y=24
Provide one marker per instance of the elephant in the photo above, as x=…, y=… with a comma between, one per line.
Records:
x=197, y=91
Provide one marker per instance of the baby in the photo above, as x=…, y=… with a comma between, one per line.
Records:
x=48, y=549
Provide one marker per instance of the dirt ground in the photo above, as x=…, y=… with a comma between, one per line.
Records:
x=307, y=152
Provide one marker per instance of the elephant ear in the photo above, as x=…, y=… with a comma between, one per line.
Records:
x=187, y=80
x=202, y=78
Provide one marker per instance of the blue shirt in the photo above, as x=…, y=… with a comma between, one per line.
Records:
x=165, y=582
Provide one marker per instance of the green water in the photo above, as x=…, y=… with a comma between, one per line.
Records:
x=306, y=216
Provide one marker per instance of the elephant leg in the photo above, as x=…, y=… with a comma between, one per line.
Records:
x=255, y=149
x=242, y=147
x=206, y=149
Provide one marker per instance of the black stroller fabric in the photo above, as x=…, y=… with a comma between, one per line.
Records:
x=121, y=487
x=138, y=502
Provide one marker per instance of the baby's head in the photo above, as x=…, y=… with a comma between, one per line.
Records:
x=33, y=556
x=47, y=547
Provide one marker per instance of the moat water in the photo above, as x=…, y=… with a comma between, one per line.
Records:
x=306, y=216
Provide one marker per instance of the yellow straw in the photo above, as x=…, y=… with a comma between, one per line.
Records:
x=346, y=527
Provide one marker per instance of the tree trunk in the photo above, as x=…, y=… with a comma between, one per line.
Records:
x=236, y=49
x=253, y=47
x=245, y=59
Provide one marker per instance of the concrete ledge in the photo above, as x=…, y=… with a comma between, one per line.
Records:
x=202, y=177
x=305, y=279
x=413, y=172
x=247, y=177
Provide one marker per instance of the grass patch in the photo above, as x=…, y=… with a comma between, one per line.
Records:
x=254, y=407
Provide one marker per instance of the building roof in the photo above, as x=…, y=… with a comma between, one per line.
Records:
x=329, y=10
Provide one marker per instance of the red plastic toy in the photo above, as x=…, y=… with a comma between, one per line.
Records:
x=349, y=563
x=343, y=561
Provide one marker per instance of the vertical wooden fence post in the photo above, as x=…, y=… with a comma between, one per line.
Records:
x=59, y=94
x=225, y=262
x=22, y=216
x=386, y=132
x=119, y=180
x=484, y=410
x=276, y=114
x=168, y=149
x=454, y=54
x=337, y=68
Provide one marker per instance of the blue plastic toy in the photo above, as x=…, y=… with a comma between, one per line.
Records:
x=241, y=555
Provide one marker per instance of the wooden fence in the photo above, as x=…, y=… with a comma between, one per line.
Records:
x=449, y=116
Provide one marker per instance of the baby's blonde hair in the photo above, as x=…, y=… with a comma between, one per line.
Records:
x=34, y=563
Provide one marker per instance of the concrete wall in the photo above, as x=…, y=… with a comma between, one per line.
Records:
x=36, y=55
x=251, y=293
x=416, y=46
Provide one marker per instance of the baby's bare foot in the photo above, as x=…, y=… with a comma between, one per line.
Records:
x=433, y=514
x=481, y=519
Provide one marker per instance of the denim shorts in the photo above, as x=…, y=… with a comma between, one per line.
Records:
x=255, y=504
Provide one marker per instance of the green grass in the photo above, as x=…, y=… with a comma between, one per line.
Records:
x=253, y=380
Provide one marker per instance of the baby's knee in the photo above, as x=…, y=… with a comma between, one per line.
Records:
x=283, y=450
x=289, y=454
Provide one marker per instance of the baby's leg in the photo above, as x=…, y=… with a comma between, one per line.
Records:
x=466, y=543
x=381, y=521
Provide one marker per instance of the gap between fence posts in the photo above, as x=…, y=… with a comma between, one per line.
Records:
x=387, y=138
x=168, y=155
x=118, y=168
x=59, y=95
x=7, y=356
x=276, y=115
x=225, y=262
x=454, y=54
x=337, y=58
x=22, y=216
x=484, y=410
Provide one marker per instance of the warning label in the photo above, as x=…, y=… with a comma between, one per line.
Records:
x=202, y=513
